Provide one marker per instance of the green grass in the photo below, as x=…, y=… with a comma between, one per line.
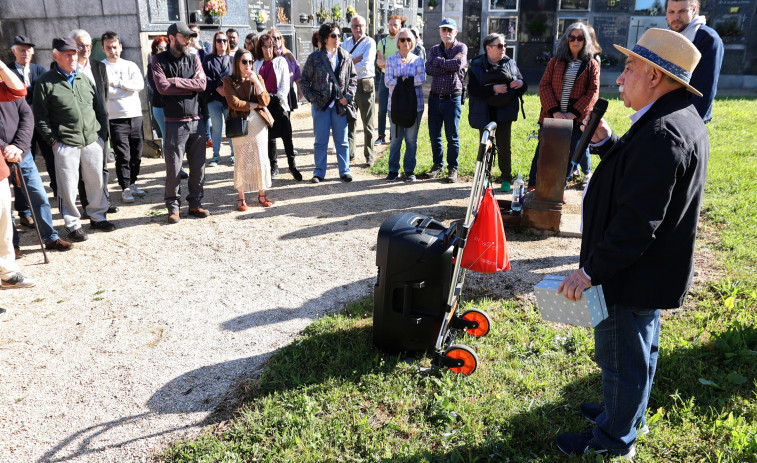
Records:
x=330, y=396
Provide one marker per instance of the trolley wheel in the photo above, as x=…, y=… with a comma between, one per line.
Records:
x=463, y=357
x=480, y=317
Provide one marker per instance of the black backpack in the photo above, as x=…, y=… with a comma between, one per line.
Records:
x=404, y=104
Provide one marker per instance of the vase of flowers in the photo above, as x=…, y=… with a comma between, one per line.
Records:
x=214, y=10
x=260, y=19
x=351, y=11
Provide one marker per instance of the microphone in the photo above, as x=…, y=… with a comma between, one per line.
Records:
x=596, y=115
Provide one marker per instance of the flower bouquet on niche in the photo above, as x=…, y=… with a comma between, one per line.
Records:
x=216, y=8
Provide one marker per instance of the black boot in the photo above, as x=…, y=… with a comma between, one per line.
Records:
x=293, y=168
x=272, y=158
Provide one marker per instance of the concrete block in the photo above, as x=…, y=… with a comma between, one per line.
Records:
x=116, y=7
x=67, y=8
x=22, y=9
x=43, y=31
x=126, y=26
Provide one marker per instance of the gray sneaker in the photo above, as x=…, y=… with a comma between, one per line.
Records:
x=136, y=191
x=452, y=178
x=17, y=280
x=127, y=196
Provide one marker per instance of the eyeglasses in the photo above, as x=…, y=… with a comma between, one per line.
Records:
x=222, y=40
x=246, y=62
x=500, y=46
x=81, y=45
x=405, y=39
x=576, y=38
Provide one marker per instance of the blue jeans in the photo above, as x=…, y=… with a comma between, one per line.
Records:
x=383, y=101
x=445, y=112
x=410, y=135
x=160, y=119
x=38, y=197
x=626, y=345
x=218, y=115
x=325, y=122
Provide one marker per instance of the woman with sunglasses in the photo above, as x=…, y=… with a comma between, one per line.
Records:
x=400, y=67
x=217, y=65
x=275, y=73
x=496, y=89
x=329, y=99
x=245, y=91
x=568, y=90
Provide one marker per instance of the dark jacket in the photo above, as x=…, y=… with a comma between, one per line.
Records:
x=156, y=99
x=180, y=99
x=74, y=116
x=706, y=74
x=101, y=80
x=216, y=68
x=16, y=125
x=583, y=95
x=35, y=71
x=485, y=106
x=316, y=82
x=641, y=207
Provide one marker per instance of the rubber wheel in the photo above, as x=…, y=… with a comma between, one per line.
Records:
x=464, y=353
x=484, y=322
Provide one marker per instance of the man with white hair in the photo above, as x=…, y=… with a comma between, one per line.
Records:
x=71, y=117
x=363, y=51
x=683, y=17
x=95, y=71
x=640, y=214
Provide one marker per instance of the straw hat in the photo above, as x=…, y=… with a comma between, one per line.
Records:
x=668, y=51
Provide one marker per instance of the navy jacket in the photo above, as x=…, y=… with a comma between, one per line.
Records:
x=35, y=71
x=641, y=207
x=706, y=74
x=216, y=67
x=16, y=125
x=484, y=106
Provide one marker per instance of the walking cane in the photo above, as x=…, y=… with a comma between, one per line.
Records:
x=20, y=180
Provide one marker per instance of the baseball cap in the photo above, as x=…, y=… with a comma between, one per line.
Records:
x=448, y=22
x=22, y=40
x=64, y=44
x=180, y=28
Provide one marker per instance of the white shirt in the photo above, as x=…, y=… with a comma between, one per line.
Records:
x=125, y=83
x=87, y=71
x=367, y=49
x=24, y=71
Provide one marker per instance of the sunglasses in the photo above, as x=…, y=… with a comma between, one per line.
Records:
x=162, y=48
x=405, y=39
x=222, y=40
x=245, y=62
x=500, y=46
x=334, y=35
x=278, y=39
x=576, y=38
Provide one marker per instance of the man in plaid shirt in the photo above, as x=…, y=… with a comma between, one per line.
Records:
x=446, y=65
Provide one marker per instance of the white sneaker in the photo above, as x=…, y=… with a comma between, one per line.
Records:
x=16, y=280
x=136, y=191
x=295, y=152
x=332, y=150
x=127, y=196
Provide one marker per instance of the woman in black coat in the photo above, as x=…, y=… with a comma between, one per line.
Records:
x=496, y=88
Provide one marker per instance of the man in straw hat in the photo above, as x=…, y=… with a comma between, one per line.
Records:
x=640, y=215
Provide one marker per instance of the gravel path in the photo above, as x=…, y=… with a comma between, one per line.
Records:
x=132, y=339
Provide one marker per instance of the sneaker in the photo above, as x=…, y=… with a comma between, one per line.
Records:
x=173, y=217
x=410, y=177
x=591, y=412
x=183, y=174
x=369, y=162
x=452, y=178
x=295, y=152
x=346, y=178
x=214, y=162
x=27, y=222
x=316, y=179
x=127, y=196
x=505, y=188
x=332, y=150
x=16, y=280
x=59, y=245
x=113, y=209
x=199, y=212
x=586, y=179
x=436, y=169
x=576, y=174
x=275, y=172
x=380, y=141
x=233, y=160
x=77, y=235
x=393, y=176
x=584, y=443
x=136, y=191
x=102, y=225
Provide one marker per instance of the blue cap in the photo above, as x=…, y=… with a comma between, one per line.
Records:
x=448, y=22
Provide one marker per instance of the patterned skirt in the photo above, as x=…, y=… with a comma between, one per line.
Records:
x=252, y=169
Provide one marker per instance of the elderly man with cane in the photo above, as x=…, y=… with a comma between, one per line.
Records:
x=640, y=214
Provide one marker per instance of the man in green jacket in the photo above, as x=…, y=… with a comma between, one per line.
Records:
x=71, y=117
